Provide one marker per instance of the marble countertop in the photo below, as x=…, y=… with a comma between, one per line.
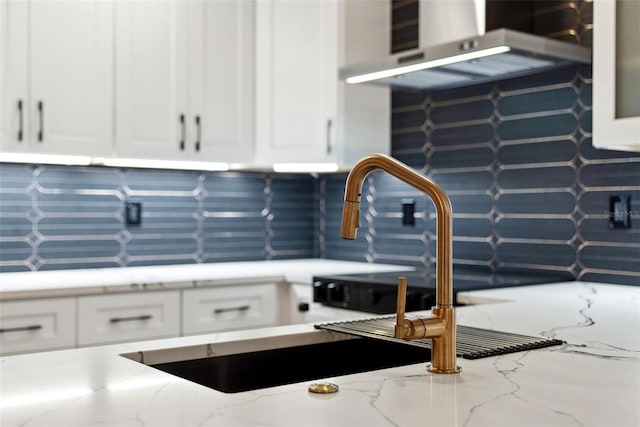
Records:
x=591, y=380
x=56, y=283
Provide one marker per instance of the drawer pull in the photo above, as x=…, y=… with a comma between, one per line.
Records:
x=130, y=319
x=239, y=308
x=21, y=328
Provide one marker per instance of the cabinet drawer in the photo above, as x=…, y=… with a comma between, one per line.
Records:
x=229, y=308
x=127, y=317
x=37, y=325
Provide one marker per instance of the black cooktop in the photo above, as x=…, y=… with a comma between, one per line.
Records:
x=465, y=278
x=376, y=292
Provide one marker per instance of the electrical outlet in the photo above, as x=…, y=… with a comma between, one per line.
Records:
x=133, y=213
x=619, y=211
x=408, y=212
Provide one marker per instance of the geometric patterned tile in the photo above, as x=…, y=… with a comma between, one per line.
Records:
x=526, y=186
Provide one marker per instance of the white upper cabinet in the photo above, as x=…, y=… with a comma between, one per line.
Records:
x=57, y=90
x=616, y=75
x=221, y=78
x=184, y=82
x=296, y=70
x=303, y=113
x=250, y=82
x=151, y=78
x=364, y=112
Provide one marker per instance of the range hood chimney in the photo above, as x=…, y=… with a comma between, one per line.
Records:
x=454, y=50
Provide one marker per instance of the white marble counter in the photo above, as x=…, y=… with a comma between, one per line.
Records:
x=37, y=284
x=592, y=380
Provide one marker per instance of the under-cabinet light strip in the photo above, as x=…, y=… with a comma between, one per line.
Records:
x=71, y=160
x=305, y=167
x=45, y=159
x=54, y=159
x=428, y=64
x=160, y=164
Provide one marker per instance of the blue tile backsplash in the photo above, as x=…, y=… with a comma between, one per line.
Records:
x=56, y=217
x=527, y=190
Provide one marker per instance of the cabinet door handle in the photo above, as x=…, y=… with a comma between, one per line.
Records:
x=329, y=126
x=130, y=318
x=21, y=328
x=225, y=310
x=183, y=132
x=20, y=120
x=41, y=121
x=198, y=133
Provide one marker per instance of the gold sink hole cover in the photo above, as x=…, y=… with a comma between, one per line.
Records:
x=323, y=388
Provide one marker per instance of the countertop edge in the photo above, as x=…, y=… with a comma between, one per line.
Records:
x=72, y=283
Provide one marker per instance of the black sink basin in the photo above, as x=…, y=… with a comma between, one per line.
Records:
x=268, y=368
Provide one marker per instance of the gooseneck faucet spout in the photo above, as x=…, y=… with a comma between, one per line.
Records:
x=441, y=326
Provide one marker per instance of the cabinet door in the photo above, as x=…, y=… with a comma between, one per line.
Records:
x=14, y=75
x=69, y=77
x=296, y=78
x=364, y=111
x=37, y=325
x=221, y=65
x=151, y=66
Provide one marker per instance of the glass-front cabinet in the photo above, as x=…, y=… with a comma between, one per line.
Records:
x=616, y=75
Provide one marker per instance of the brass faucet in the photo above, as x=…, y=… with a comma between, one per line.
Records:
x=441, y=326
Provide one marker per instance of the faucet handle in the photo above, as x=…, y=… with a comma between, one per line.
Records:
x=399, y=331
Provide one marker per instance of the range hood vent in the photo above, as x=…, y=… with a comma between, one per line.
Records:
x=455, y=51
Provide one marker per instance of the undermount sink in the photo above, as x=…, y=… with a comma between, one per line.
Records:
x=252, y=370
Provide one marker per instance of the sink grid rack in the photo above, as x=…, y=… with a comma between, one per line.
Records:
x=471, y=342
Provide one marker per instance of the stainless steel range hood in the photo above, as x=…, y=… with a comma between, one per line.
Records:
x=461, y=61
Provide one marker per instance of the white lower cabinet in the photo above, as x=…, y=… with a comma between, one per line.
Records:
x=43, y=324
x=36, y=325
x=226, y=308
x=128, y=317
